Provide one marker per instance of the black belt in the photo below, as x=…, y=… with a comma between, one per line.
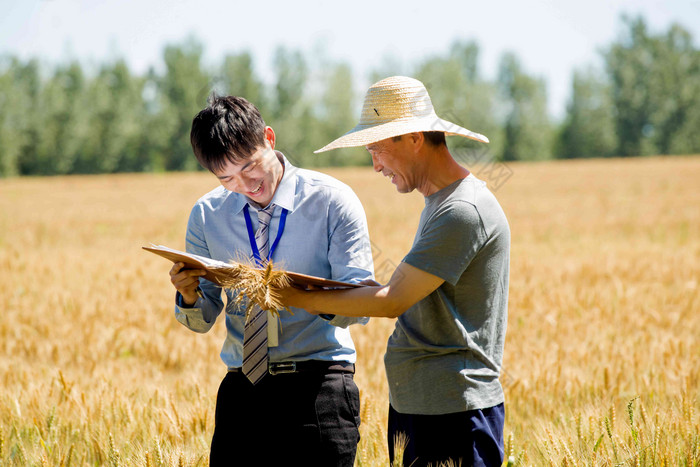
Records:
x=276, y=368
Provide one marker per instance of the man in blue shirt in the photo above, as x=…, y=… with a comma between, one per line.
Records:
x=300, y=400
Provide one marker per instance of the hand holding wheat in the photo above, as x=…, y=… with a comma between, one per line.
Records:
x=260, y=286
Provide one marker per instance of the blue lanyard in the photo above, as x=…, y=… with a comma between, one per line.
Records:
x=251, y=235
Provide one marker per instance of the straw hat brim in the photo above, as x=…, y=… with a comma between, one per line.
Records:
x=363, y=135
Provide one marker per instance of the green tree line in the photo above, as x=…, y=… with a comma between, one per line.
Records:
x=645, y=99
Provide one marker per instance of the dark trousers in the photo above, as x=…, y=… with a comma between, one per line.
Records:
x=468, y=438
x=307, y=418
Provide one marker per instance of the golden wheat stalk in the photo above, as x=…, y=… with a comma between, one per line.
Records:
x=257, y=285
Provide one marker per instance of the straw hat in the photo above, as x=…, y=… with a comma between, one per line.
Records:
x=395, y=106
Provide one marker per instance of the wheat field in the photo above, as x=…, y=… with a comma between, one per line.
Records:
x=602, y=358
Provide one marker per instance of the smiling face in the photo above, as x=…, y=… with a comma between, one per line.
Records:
x=257, y=176
x=395, y=159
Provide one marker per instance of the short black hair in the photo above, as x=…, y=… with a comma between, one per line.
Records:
x=435, y=138
x=229, y=129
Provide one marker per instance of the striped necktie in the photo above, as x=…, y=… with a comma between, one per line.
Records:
x=255, y=357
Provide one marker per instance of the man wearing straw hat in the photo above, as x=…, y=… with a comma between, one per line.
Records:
x=289, y=394
x=450, y=292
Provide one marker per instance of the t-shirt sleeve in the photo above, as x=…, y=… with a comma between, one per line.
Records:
x=448, y=241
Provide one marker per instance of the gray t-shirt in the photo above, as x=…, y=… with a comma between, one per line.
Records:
x=446, y=351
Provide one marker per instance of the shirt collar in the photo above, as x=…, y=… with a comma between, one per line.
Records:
x=284, y=194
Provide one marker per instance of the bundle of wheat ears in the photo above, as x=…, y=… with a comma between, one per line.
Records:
x=258, y=285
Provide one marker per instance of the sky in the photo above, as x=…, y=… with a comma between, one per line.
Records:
x=550, y=38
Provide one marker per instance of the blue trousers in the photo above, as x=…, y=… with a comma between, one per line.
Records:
x=474, y=437
x=308, y=418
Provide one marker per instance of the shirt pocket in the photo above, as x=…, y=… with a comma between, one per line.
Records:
x=233, y=309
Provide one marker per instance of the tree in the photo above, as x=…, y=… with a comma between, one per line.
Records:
x=63, y=122
x=336, y=116
x=290, y=81
x=676, y=93
x=527, y=129
x=389, y=65
x=292, y=115
x=629, y=63
x=20, y=86
x=589, y=128
x=185, y=88
x=656, y=90
x=117, y=114
x=238, y=79
x=461, y=96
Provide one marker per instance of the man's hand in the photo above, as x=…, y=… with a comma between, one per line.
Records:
x=291, y=296
x=186, y=281
x=299, y=297
x=370, y=282
x=407, y=286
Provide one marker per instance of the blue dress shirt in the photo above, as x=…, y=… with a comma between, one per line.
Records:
x=325, y=236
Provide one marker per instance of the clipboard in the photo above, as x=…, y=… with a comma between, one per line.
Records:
x=216, y=270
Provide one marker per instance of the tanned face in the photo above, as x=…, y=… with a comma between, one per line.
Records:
x=395, y=159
